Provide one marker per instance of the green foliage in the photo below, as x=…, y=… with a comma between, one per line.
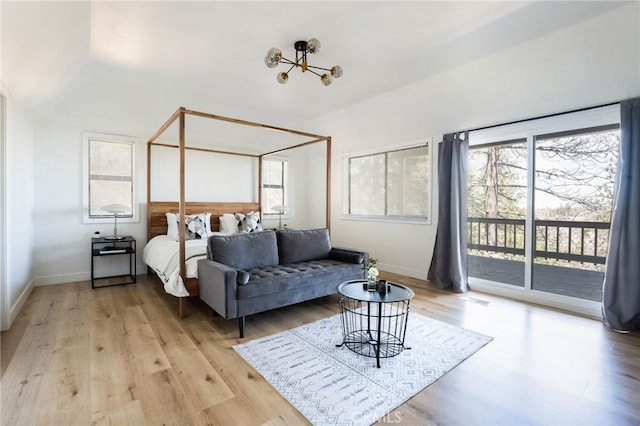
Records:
x=370, y=263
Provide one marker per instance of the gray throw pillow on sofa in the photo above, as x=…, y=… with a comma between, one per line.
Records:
x=304, y=245
x=243, y=276
x=244, y=251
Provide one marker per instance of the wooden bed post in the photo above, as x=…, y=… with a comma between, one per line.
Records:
x=260, y=187
x=328, y=189
x=181, y=208
x=148, y=190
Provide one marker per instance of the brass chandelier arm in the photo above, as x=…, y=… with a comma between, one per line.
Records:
x=295, y=64
x=289, y=62
x=318, y=68
x=312, y=71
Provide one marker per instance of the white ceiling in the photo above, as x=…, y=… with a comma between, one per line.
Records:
x=149, y=58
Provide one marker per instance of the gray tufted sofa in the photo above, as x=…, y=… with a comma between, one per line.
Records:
x=249, y=273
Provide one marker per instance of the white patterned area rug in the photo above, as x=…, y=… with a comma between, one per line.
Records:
x=332, y=385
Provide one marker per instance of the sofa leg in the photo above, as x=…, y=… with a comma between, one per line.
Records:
x=241, y=325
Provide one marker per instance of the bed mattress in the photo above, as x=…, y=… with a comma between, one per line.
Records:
x=162, y=254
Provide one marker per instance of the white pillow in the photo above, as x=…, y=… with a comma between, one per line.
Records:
x=223, y=225
x=198, y=226
x=228, y=224
x=172, y=225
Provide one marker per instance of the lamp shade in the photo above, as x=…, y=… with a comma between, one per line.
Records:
x=280, y=208
x=116, y=208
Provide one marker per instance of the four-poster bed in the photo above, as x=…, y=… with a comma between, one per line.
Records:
x=156, y=210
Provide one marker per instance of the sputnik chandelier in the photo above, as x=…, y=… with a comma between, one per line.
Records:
x=274, y=57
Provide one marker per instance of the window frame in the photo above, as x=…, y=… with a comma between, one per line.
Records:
x=87, y=137
x=285, y=188
x=346, y=199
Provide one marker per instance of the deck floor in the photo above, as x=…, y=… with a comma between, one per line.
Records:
x=551, y=279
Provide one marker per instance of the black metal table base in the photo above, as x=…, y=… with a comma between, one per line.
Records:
x=374, y=328
x=364, y=343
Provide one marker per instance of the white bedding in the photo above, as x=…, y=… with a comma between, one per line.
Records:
x=162, y=254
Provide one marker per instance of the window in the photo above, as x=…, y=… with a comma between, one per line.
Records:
x=539, y=211
x=274, y=185
x=109, y=176
x=392, y=184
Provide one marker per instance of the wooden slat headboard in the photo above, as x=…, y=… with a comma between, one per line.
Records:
x=158, y=221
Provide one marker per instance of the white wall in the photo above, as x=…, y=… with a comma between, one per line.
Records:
x=597, y=61
x=4, y=290
x=316, y=190
x=18, y=211
x=208, y=176
x=572, y=68
x=307, y=188
x=62, y=246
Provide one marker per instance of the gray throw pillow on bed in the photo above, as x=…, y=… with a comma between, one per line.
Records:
x=304, y=245
x=244, y=251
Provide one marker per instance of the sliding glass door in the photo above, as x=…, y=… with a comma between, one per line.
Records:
x=539, y=206
x=497, y=209
x=573, y=197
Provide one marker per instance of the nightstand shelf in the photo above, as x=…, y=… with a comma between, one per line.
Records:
x=101, y=247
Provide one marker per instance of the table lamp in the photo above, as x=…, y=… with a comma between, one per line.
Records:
x=116, y=209
x=281, y=209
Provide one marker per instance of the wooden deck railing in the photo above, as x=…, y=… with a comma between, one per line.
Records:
x=562, y=240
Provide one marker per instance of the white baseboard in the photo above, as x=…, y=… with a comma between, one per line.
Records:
x=413, y=273
x=16, y=307
x=62, y=278
x=72, y=277
x=571, y=304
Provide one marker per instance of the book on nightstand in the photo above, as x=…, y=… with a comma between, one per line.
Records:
x=109, y=250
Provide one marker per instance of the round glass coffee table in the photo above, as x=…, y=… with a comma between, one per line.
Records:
x=374, y=324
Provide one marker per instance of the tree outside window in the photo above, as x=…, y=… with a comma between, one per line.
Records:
x=109, y=175
x=392, y=184
x=274, y=185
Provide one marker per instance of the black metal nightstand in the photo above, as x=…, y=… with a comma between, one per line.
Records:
x=109, y=247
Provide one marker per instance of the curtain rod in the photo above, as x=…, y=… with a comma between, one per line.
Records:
x=524, y=120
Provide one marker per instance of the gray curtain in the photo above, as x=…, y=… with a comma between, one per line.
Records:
x=621, y=290
x=449, y=262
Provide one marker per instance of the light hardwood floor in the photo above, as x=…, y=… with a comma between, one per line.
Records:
x=121, y=355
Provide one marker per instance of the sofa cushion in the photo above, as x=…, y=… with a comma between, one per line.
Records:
x=244, y=251
x=281, y=279
x=303, y=245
